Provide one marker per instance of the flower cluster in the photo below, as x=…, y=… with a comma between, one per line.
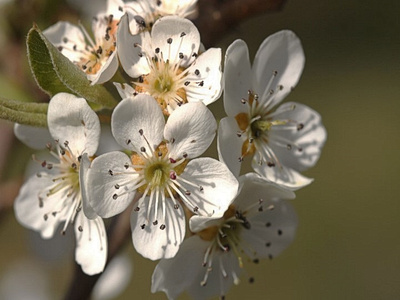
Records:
x=198, y=215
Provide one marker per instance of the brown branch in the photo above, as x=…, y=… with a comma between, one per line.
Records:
x=218, y=17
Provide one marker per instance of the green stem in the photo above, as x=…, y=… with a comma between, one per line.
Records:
x=27, y=118
x=30, y=107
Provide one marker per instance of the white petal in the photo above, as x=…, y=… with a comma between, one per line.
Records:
x=31, y=214
x=34, y=137
x=173, y=276
x=208, y=65
x=271, y=229
x=185, y=39
x=107, y=142
x=68, y=37
x=283, y=176
x=106, y=71
x=212, y=187
x=83, y=172
x=91, y=244
x=115, y=278
x=237, y=78
x=311, y=138
x=229, y=144
x=217, y=284
x=101, y=185
x=125, y=90
x=138, y=122
x=281, y=52
x=192, y=127
x=151, y=241
x=128, y=53
x=71, y=119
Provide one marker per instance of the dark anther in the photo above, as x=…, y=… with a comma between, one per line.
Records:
x=169, y=41
x=155, y=222
x=176, y=206
x=110, y=172
x=183, y=34
x=157, y=50
x=80, y=228
x=270, y=164
x=197, y=72
x=187, y=83
x=116, y=186
x=181, y=56
x=143, y=149
x=162, y=227
x=115, y=196
x=300, y=126
x=137, y=208
x=143, y=226
x=141, y=131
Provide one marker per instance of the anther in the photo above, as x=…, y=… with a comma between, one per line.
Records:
x=137, y=208
x=115, y=196
x=270, y=164
x=157, y=50
x=187, y=193
x=162, y=227
x=289, y=147
x=201, y=188
x=80, y=228
x=195, y=55
x=187, y=83
x=196, y=209
x=176, y=206
x=201, y=83
x=62, y=152
x=140, y=21
x=143, y=226
x=251, y=280
x=45, y=217
x=141, y=131
x=128, y=141
x=172, y=175
x=155, y=222
x=275, y=73
x=184, y=155
x=169, y=41
x=126, y=165
x=172, y=160
x=268, y=244
x=116, y=186
x=172, y=140
x=143, y=149
x=110, y=172
x=244, y=101
x=197, y=72
x=300, y=126
x=181, y=56
x=183, y=34
x=279, y=232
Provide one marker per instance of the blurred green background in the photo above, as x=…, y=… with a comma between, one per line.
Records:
x=348, y=240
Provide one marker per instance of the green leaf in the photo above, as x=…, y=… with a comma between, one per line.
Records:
x=34, y=114
x=54, y=73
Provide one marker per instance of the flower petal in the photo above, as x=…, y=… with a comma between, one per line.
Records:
x=150, y=240
x=282, y=175
x=273, y=228
x=174, y=35
x=237, y=78
x=125, y=90
x=83, y=172
x=106, y=71
x=192, y=129
x=173, y=276
x=281, y=52
x=91, y=244
x=306, y=143
x=71, y=120
x=211, y=185
x=37, y=213
x=130, y=47
x=229, y=144
x=107, y=178
x=67, y=37
x=206, y=86
x=138, y=122
x=34, y=137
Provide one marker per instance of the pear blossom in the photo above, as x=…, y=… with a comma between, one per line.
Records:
x=283, y=140
x=144, y=13
x=97, y=58
x=167, y=63
x=162, y=176
x=259, y=224
x=57, y=194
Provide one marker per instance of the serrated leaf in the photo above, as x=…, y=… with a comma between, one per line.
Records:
x=54, y=73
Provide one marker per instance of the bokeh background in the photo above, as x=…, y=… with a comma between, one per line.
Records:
x=348, y=241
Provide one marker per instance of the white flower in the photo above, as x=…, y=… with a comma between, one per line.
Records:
x=98, y=57
x=163, y=169
x=258, y=224
x=168, y=64
x=57, y=194
x=283, y=140
x=144, y=13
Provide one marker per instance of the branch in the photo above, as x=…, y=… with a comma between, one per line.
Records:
x=218, y=17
